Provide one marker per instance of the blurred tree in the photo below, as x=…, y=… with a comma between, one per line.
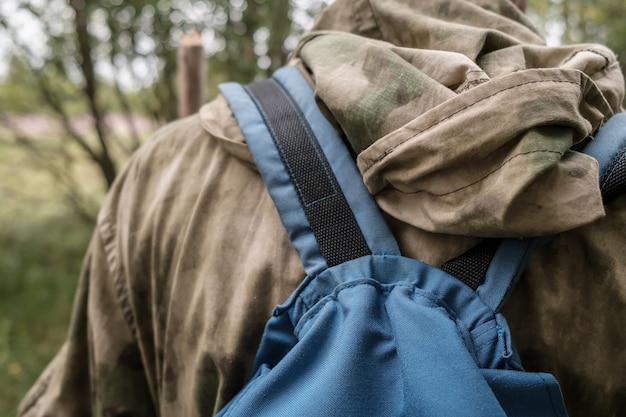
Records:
x=581, y=21
x=108, y=56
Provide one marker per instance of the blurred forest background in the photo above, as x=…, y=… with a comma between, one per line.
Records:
x=83, y=84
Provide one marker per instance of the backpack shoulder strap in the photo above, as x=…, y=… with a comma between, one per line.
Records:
x=328, y=212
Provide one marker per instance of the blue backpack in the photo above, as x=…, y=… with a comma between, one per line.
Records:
x=369, y=332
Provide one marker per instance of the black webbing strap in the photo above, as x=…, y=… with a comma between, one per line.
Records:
x=330, y=217
x=471, y=267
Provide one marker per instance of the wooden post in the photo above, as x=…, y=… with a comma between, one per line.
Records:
x=191, y=74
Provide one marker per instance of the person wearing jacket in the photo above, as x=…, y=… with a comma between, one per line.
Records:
x=464, y=125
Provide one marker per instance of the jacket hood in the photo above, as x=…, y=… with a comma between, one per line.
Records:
x=463, y=120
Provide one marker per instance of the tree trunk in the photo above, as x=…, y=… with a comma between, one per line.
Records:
x=191, y=75
x=106, y=165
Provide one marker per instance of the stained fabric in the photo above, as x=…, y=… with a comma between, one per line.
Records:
x=466, y=126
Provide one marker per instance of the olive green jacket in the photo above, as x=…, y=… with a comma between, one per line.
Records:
x=464, y=125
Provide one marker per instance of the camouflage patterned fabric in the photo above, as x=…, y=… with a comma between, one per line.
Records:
x=465, y=125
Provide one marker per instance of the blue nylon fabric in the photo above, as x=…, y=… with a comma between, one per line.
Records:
x=537, y=391
x=482, y=330
x=379, y=345
x=608, y=142
x=380, y=335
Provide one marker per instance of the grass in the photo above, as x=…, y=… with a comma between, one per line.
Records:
x=39, y=266
x=42, y=243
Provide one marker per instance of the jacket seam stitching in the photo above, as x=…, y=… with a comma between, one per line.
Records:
x=107, y=234
x=42, y=387
x=607, y=60
x=389, y=151
x=486, y=175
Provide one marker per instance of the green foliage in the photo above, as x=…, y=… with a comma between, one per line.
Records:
x=15, y=94
x=42, y=244
x=39, y=264
x=581, y=21
x=120, y=57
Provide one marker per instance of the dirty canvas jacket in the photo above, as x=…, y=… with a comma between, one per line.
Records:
x=463, y=124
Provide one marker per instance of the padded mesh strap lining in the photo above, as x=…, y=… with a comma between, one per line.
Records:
x=613, y=183
x=330, y=216
x=471, y=267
